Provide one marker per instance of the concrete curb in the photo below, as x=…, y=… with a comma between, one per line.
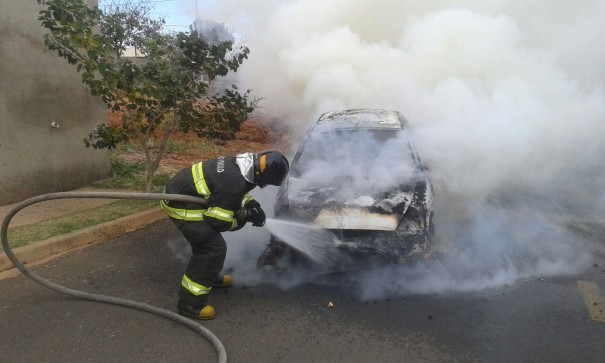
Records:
x=56, y=245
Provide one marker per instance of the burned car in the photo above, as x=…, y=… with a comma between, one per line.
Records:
x=357, y=175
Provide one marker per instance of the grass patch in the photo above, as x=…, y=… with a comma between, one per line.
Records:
x=201, y=145
x=178, y=146
x=27, y=234
x=131, y=176
x=209, y=147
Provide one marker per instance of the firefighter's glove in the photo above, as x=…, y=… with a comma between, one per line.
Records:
x=256, y=216
x=241, y=215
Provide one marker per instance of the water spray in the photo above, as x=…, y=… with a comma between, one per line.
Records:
x=316, y=243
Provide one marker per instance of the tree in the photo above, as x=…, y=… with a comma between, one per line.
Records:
x=166, y=88
x=127, y=24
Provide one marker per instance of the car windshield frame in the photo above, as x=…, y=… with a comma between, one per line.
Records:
x=317, y=139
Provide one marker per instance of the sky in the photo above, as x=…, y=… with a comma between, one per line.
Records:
x=506, y=100
x=179, y=14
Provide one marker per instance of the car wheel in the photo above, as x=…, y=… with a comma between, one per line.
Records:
x=267, y=259
x=280, y=258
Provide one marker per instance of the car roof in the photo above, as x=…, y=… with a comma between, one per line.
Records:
x=361, y=118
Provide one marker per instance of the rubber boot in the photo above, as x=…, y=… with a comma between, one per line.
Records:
x=205, y=312
x=226, y=281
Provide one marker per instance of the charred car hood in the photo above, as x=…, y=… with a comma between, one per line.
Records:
x=331, y=208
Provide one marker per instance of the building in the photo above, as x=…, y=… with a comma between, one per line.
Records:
x=45, y=113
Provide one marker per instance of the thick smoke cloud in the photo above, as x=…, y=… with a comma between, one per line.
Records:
x=506, y=101
x=504, y=94
x=361, y=156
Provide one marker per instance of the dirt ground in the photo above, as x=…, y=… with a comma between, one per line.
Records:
x=255, y=135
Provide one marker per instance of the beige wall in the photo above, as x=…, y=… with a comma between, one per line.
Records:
x=36, y=89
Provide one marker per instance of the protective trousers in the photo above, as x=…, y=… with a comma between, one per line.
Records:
x=208, y=252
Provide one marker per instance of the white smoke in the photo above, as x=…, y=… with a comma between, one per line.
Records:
x=360, y=157
x=212, y=32
x=506, y=100
x=485, y=252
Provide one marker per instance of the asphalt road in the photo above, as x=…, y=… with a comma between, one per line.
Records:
x=533, y=320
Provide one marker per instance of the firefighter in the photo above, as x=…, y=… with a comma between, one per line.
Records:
x=225, y=183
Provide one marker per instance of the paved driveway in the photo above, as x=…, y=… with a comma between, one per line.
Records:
x=537, y=320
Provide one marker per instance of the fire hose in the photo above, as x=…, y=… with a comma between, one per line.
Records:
x=218, y=345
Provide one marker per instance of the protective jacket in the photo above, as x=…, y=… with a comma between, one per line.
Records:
x=221, y=183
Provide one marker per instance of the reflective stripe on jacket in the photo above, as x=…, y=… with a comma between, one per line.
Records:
x=220, y=182
x=183, y=214
x=199, y=181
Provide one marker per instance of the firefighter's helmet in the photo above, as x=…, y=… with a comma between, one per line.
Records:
x=270, y=167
